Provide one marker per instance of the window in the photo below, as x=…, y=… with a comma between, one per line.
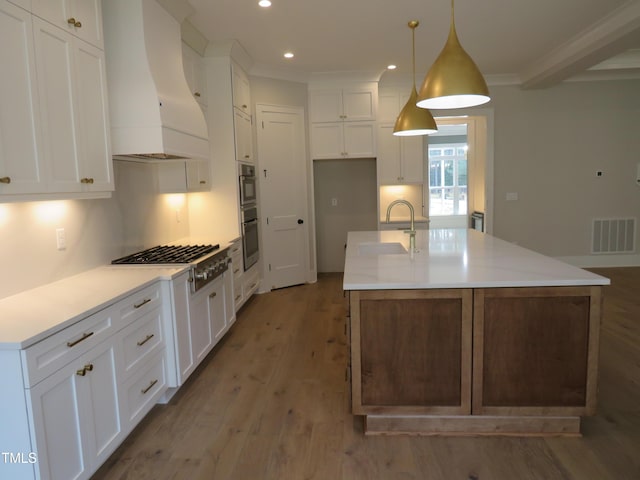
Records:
x=448, y=179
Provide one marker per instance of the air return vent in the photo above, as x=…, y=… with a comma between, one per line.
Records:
x=613, y=235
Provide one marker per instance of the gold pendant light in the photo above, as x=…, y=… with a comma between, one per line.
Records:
x=454, y=80
x=413, y=120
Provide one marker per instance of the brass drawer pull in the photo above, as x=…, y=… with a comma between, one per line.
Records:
x=83, y=371
x=197, y=94
x=84, y=337
x=202, y=182
x=86, y=180
x=145, y=390
x=6, y=180
x=144, y=302
x=147, y=338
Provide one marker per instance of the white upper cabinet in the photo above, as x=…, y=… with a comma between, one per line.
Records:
x=81, y=18
x=243, y=136
x=198, y=177
x=96, y=166
x=72, y=87
x=182, y=176
x=400, y=159
x=56, y=139
x=351, y=104
x=241, y=89
x=20, y=165
x=195, y=74
x=343, y=140
x=343, y=121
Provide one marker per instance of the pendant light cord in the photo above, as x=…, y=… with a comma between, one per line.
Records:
x=413, y=54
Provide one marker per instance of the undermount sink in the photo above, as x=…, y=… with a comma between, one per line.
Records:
x=381, y=248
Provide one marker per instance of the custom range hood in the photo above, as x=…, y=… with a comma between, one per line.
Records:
x=153, y=114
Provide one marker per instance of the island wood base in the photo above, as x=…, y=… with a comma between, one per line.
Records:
x=471, y=425
x=487, y=361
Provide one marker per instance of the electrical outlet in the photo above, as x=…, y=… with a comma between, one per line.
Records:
x=61, y=239
x=512, y=196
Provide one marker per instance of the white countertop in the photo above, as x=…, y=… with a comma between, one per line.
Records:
x=453, y=258
x=33, y=315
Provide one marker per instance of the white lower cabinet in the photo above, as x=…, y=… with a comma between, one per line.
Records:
x=76, y=415
x=84, y=388
x=143, y=389
x=200, y=321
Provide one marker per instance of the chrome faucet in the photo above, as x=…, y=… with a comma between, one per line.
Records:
x=412, y=230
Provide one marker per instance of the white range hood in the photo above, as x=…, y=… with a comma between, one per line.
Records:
x=153, y=114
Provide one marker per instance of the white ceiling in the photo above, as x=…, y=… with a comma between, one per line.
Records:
x=533, y=42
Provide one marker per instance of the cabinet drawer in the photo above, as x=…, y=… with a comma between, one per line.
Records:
x=141, y=340
x=250, y=281
x=52, y=353
x=139, y=303
x=144, y=389
x=237, y=294
x=237, y=268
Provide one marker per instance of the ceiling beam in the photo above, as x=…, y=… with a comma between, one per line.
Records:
x=615, y=33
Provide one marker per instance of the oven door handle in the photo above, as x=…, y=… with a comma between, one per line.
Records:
x=249, y=222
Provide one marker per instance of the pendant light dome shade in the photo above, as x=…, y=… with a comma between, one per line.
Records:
x=454, y=80
x=412, y=119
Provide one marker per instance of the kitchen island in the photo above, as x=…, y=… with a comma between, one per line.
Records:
x=469, y=335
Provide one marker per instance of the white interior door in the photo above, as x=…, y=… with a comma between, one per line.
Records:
x=284, y=209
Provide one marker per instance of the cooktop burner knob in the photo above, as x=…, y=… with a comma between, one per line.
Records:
x=201, y=275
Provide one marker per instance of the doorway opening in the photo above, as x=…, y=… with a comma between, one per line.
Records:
x=457, y=159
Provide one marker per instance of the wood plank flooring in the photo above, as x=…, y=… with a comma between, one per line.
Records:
x=271, y=402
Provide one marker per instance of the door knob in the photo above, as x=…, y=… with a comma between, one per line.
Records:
x=300, y=221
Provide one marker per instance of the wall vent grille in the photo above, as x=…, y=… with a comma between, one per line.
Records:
x=613, y=235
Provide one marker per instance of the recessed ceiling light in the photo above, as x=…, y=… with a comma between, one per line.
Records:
x=391, y=67
x=264, y=3
x=288, y=55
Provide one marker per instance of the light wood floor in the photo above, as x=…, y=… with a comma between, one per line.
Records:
x=271, y=402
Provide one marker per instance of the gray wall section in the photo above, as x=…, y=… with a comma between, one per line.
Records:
x=352, y=183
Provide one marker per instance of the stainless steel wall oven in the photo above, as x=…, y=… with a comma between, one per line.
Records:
x=250, y=245
x=247, y=185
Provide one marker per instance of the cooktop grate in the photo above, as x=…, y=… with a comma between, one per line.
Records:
x=167, y=254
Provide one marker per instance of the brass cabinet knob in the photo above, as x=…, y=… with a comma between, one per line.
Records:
x=196, y=94
x=86, y=180
x=6, y=180
x=74, y=22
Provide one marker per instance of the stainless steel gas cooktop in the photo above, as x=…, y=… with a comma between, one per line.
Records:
x=167, y=254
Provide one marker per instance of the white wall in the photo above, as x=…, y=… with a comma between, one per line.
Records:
x=549, y=144
x=97, y=231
